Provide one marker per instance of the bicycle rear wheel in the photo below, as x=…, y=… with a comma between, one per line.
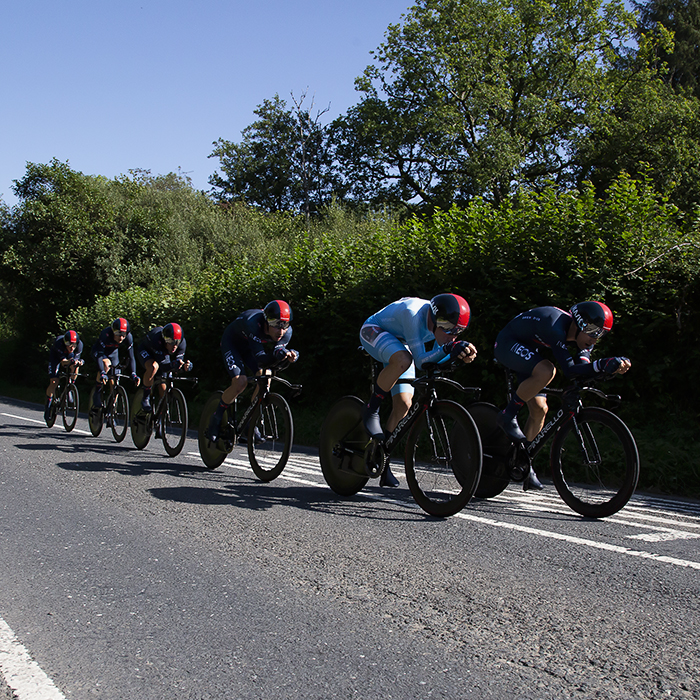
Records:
x=270, y=436
x=443, y=459
x=495, y=445
x=95, y=420
x=141, y=422
x=70, y=407
x=595, y=463
x=120, y=413
x=174, y=422
x=210, y=453
x=343, y=441
x=55, y=404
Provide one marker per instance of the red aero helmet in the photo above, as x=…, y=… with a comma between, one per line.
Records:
x=592, y=318
x=450, y=312
x=70, y=338
x=121, y=325
x=278, y=314
x=172, y=333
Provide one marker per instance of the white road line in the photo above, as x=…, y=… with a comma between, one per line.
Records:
x=21, y=672
x=43, y=422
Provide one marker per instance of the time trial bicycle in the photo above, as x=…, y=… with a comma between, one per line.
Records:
x=593, y=456
x=266, y=426
x=442, y=454
x=168, y=416
x=65, y=399
x=114, y=409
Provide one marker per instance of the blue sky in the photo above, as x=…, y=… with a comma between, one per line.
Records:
x=150, y=84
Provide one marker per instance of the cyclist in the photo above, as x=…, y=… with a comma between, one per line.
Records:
x=258, y=338
x=106, y=351
x=519, y=346
x=397, y=336
x=65, y=351
x=162, y=350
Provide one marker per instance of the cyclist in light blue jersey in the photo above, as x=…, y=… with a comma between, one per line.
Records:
x=399, y=336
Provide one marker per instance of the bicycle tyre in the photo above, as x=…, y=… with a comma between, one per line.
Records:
x=443, y=459
x=53, y=409
x=273, y=420
x=174, y=423
x=496, y=445
x=95, y=421
x=211, y=455
x=343, y=429
x=70, y=407
x=141, y=423
x=595, y=490
x=120, y=413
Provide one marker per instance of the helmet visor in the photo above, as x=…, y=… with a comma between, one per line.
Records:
x=450, y=328
x=278, y=323
x=590, y=329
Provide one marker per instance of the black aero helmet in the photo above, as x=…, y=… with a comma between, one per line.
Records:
x=278, y=314
x=172, y=333
x=450, y=312
x=70, y=338
x=120, y=325
x=592, y=318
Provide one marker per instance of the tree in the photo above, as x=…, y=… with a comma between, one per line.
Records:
x=474, y=97
x=283, y=162
x=680, y=62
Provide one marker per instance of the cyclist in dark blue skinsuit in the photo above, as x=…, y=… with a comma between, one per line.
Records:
x=65, y=351
x=106, y=351
x=520, y=344
x=258, y=338
x=162, y=350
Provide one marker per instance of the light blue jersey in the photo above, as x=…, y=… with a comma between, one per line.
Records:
x=402, y=325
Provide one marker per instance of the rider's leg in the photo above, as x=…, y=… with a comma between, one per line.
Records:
x=537, y=407
x=399, y=363
x=401, y=402
x=541, y=376
x=237, y=386
x=150, y=369
x=103, y=365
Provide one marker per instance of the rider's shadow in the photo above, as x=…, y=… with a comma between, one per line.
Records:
x=131, y=467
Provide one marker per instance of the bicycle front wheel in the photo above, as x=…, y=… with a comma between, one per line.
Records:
x=174, y=423
x=443, y=459
x=94, y=415
x=120, y=413
x=595, y=463
x=70, y=407
x=342, y=446
x=270, y=436
x=141, y=422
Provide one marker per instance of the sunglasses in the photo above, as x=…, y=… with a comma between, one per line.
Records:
x=593, y=331
x=451, y=329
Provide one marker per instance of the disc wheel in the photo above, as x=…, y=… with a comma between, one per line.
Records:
x=174, y=423
x=95, y=420
x=270, y=437
x=210, y=452
x=141, y=422
x=53, y=411
x=120, y=413
x=70, y=406
x=443, y=459
x=342, y=446
x=496, y=446
x=595, y=463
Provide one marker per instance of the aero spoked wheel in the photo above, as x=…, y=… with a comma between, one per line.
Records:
x=211, y=455
x=120, y=413
x=141, y=422
x=270, y=436
x=342, y=447
x=496, y=446
x=443, y=459
x=70, y=407
x=595, y=463
x=94, y=415
x=174, y=423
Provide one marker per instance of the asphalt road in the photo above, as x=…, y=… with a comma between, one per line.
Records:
x=127, y=574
